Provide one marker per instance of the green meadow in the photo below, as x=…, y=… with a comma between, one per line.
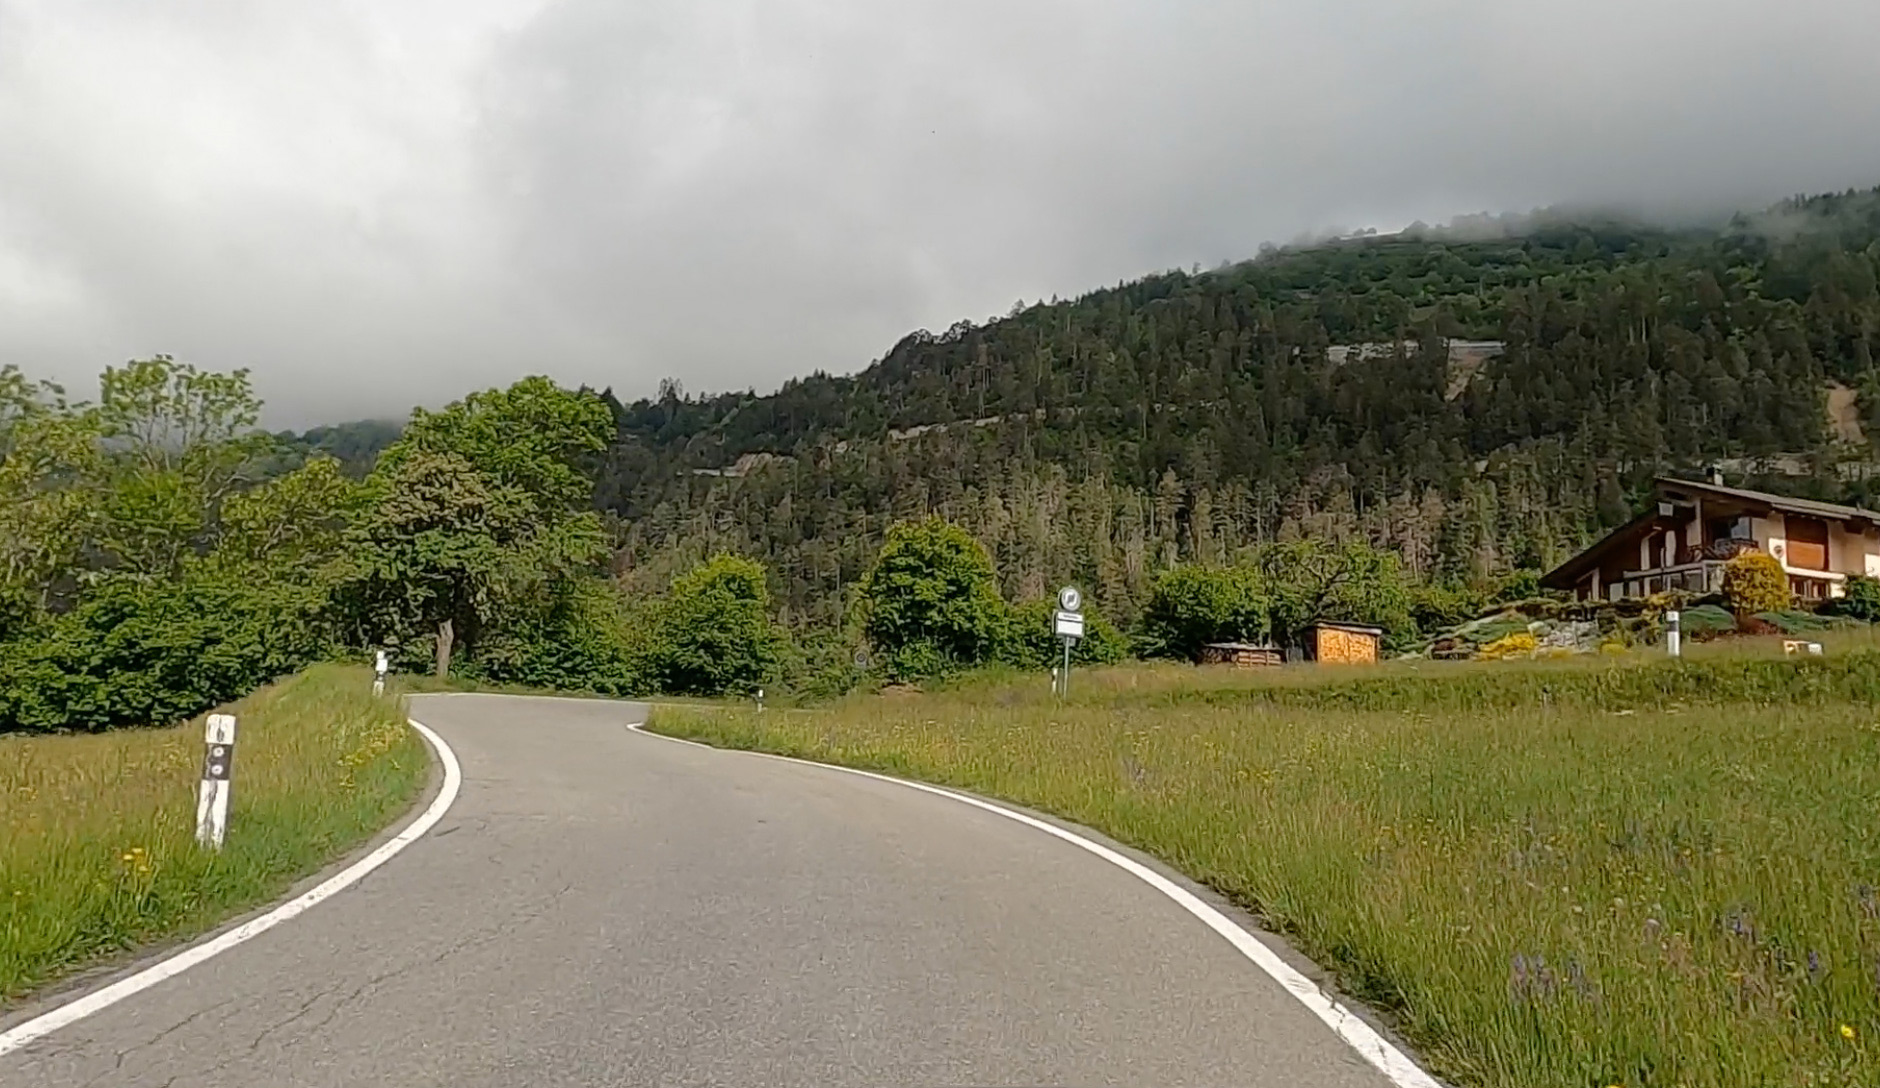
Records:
x=1606, y=871
x=97, y=831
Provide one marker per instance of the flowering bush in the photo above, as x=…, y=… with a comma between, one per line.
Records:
x=1754, y=582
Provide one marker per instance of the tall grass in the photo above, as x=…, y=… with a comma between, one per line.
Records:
x=97, y=832
x=1637, y=873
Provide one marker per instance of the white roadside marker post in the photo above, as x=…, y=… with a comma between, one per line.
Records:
x=1672, y=641
x=378, y=675
x=212, y=798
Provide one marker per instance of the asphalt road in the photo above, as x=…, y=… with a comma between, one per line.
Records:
x=603, y=907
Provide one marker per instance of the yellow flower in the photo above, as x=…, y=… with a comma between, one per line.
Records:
x=126, y=857
x=1847, y=1032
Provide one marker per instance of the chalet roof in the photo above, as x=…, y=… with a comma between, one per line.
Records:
x=1567, y=574
x=1785, y=503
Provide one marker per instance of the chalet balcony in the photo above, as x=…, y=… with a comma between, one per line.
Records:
x=1718, y=551
x=1700, y=570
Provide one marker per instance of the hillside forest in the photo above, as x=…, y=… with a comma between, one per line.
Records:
x=1397, y=429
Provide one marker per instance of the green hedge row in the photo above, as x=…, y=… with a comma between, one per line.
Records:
x=151, y=653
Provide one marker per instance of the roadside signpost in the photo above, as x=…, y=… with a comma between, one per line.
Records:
x=212, y=798
x=1068, y=624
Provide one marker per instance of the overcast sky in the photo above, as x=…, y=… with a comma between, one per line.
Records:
x=374, y=203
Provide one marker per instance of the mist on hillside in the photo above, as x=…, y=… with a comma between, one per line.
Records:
x=375, y=206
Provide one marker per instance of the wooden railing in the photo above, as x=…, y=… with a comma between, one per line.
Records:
x=1716, y=550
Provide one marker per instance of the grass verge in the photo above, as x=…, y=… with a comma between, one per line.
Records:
x=1665, y=877
x=97, y=846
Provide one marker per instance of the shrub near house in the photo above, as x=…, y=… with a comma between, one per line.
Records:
x=1755, y=582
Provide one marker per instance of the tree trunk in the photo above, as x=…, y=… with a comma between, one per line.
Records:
x=446, y=634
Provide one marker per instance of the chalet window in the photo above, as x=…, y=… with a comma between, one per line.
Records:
x=1655, y=551
x=1808, y=542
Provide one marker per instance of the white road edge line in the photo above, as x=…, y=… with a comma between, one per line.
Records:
x=81, y=1007
x=1350, y=1027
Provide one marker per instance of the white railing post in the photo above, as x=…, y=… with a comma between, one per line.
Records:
x=212, y=798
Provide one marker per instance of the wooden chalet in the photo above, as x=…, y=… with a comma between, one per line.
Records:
x=1682, y=540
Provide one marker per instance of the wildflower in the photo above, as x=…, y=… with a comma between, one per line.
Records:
x=1847, y=1032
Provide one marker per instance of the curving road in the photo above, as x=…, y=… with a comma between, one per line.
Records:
x=603, y=907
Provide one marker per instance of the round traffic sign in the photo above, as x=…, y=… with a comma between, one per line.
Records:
x=1069, y=599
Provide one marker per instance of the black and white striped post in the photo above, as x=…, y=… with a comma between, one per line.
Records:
x=212, y=799
x=378, y=674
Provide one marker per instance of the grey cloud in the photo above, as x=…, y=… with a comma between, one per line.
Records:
x=374, y=205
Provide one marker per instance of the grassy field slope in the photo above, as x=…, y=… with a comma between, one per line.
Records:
x=97, y=849
x=1581, y=873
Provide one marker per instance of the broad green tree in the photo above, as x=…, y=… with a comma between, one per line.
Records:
x=534, y=437
x=931, y=601
x=714, y=634
x=177, y=441
x=294, y=521
x=1309, y=581
x=479, y=514
x=432, y=551
x=51, y=505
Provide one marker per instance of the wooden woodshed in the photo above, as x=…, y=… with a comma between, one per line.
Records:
x=1343, y=643
x=1241, y=655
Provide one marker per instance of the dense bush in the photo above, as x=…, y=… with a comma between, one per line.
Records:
x=825, y=663
x=153, y=652
x=1029, y=641
x=1438, y=607
x=1518, y=585
x=583, y=642
x=1190, y=607
x=1860, y=602
x=713, y=634
x=1755, y=582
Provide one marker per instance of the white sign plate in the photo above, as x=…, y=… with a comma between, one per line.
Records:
x=1068, y=624
x=1069, y=599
